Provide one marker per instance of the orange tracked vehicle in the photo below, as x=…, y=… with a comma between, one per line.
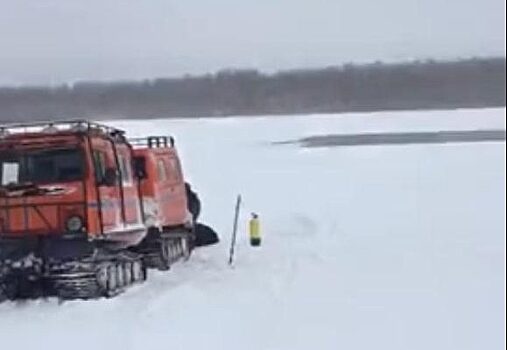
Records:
x=84, y=212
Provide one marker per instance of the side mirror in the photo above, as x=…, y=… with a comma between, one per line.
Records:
x=110, y=177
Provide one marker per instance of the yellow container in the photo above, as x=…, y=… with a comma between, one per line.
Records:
x=254, y=231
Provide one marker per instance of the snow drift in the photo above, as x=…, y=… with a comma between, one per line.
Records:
x=386, y=247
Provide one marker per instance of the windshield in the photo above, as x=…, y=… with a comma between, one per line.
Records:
x=38, y=167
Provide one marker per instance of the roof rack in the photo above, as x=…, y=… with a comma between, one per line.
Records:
x=59, y=126
x=153, y=141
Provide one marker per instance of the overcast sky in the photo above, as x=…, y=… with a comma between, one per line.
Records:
x=54, y=41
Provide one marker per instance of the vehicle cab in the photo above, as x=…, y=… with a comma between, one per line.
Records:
x=68, y=181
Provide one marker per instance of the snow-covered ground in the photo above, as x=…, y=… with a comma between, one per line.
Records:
x=385, y=247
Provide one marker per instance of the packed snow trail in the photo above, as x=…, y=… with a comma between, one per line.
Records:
x=385, y=247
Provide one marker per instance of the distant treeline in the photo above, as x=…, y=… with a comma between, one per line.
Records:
x=370, y=87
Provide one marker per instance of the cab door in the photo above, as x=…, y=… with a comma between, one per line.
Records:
x=131, y=200
x=106, y=174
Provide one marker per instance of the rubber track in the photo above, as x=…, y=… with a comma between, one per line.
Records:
x=86, y=284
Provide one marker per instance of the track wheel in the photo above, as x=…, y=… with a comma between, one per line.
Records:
x=171, y=251
x=186, y=248
x=176, y=250
x=112, y=279
x=138, y=271
x=174, y=244
x=165, y=256
x=120, y=276
x=127, y=272
x=179, y=248
x=102, y=278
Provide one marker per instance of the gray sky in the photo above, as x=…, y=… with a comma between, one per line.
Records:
x=54, y=41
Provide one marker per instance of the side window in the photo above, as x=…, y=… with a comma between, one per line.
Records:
x=10, y=172
x=162, y=173
x=140, y=167
x=126, y=170
x=174, y=169
x=99, y=162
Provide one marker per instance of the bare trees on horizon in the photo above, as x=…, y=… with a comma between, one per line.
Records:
x=370, y=87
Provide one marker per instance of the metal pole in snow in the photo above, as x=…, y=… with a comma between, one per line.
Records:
x=234, y=230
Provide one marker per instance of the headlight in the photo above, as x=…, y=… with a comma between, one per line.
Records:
x=74, y=224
